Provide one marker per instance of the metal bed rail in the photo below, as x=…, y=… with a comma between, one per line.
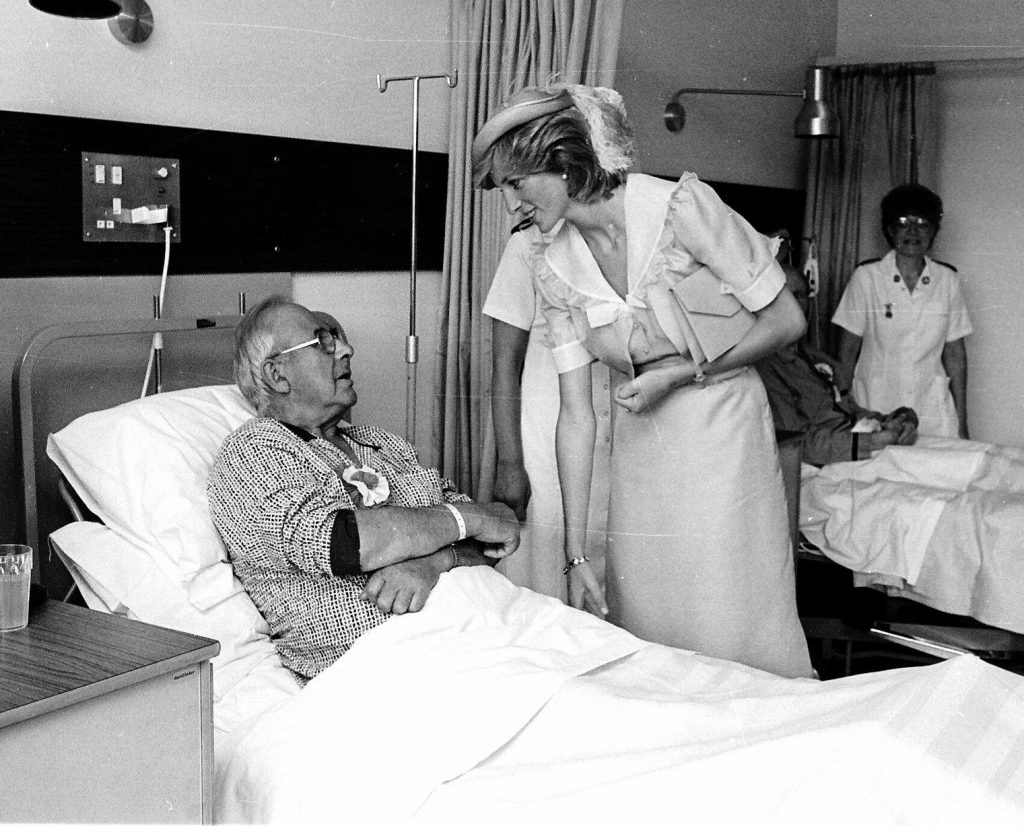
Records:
x=35, y=353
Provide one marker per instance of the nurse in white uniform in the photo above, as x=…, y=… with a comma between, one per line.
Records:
x=904, y=321
x=524, y=404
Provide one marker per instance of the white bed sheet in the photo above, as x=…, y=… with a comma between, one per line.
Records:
x=496, y=705
x=941, y=522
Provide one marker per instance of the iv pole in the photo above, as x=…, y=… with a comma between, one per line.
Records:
x=412, y=342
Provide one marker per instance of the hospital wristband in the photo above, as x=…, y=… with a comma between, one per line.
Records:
x=458, y=519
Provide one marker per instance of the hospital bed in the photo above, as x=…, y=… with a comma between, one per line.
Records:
x=929, y=537
x=493, y=704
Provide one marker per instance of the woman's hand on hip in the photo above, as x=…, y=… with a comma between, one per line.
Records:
x=584, y=590
x=645, y=391
x=654, y=383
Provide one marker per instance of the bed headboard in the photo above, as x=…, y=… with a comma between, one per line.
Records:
x=68, y=370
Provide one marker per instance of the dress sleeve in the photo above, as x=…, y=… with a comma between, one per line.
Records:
x=726, y=243
x=512, y=298
x=852, y=312
x=567, y=349
x=959, y=321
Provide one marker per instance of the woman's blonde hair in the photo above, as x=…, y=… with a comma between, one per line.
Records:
x=590, y=143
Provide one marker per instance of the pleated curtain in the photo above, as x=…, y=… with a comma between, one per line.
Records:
x=498, y=46
x=889, y=137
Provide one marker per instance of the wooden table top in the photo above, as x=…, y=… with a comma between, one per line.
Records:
x=67, y=654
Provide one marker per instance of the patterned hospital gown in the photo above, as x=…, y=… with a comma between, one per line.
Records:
x=274, y=493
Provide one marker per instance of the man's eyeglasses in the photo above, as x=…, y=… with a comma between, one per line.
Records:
x=905, y=221
x=326, y=340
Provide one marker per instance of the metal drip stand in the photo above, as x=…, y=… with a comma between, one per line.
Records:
x=412, y=342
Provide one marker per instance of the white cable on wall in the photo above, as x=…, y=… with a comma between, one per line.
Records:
x=158, y=339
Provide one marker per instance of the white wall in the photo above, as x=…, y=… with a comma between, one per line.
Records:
x=887, y=30
x=729, y=44
x=981, y=175
x=301, y=68
x=981, y=181
x=369, y=305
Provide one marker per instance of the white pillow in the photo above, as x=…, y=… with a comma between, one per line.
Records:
x=116, y=576
x=142, y=467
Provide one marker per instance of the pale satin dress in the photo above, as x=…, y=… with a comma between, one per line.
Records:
x=699, y=554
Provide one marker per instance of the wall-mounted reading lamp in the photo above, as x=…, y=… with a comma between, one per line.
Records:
x=817, y=119
x=131, y=21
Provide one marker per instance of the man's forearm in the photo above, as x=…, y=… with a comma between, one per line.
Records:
x=392, y=534
x=824, y=445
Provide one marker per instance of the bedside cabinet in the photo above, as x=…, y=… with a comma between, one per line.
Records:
x=104, y=719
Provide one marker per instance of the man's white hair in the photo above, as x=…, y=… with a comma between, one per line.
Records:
x=254, y=342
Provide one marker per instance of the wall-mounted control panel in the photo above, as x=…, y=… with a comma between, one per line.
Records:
x=130, y=197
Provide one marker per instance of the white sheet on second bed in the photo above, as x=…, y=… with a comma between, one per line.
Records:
x=939, y=522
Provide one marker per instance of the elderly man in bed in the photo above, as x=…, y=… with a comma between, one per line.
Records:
x=803, y=400
x=332, y=527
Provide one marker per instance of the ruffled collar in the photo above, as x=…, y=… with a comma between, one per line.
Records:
x=647, y=203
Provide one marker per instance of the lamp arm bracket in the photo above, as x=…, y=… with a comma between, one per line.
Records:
x=774, y=93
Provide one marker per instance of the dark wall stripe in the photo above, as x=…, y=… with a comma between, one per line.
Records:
x=250, y=203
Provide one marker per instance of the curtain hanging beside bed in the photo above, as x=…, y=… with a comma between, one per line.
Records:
x=889, y=137
x=498, y=46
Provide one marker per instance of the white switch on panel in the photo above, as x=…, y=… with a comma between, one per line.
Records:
x=116, y=209
x=101, y=173
x=115, y=175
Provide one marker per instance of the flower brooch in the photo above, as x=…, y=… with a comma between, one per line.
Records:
x=372, y=487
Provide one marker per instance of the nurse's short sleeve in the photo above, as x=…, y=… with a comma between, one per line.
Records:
x=959, y=320
x=726, y=243
x=512, y=298
x=852, y=312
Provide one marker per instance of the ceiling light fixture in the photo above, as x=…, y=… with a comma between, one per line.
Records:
x=130, y=21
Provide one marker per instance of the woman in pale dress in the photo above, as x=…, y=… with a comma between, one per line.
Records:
x=698, y=552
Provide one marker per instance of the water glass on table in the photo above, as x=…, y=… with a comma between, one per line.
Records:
x=15, y=581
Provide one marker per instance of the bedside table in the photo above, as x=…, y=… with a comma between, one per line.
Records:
x=105, y=719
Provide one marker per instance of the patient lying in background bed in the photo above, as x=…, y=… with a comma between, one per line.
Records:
x=935, y=520
x=494, y=704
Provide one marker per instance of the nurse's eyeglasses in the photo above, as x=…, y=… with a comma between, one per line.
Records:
x=905, y=221
x=326, y=340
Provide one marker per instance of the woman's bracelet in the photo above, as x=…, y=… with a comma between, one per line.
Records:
x=458, y=519
x=576, y=560
x=455, y=556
